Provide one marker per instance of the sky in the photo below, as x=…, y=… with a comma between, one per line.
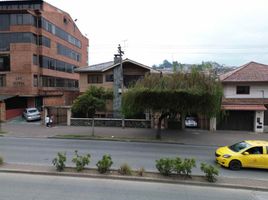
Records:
x=230, y=32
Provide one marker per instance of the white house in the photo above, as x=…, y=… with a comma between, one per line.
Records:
x=245, y=98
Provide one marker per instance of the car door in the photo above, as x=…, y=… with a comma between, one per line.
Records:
x=265, y=158
x=254, y=157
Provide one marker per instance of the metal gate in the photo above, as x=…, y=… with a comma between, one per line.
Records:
x=237, y=120
x=59, y=115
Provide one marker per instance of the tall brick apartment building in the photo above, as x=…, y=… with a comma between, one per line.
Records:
x=40, y=46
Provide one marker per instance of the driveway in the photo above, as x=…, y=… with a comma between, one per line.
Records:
x=21, y=120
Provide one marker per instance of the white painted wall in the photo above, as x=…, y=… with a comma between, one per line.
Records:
x=259, y=122
x=255, y=91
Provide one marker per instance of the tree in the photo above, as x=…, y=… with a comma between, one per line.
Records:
x=176, y=93
x=94, y=99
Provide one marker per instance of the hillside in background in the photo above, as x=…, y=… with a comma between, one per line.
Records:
x=211, y=66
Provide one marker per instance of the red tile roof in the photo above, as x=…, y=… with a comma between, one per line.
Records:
x=250, y=72
x=243, y=107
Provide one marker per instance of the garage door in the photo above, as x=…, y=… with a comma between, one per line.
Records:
x=237, y=120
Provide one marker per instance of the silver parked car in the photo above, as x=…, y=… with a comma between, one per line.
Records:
x=31, y=114
x=190, y=122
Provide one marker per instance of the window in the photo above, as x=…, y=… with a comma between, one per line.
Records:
x=109, y=78
x=19, y=19
x=7, y=38
x=4, y=22
x=44, y=41
x=35, y=60
x=95, y=79
x=242, y=90
x=27, y=19
x=65, y=51
x=22, y=19
x=49, y=81
x=4, y=63
x=35, y=80
x=255, y=150
x=48, y=26
x=65, y=21
x=130, y=80
x=2, y=80
x=239, y=146
x=50, y=63
x=22, y=5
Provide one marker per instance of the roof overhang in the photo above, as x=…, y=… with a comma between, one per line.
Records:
x=4, y=97
x=244, y=107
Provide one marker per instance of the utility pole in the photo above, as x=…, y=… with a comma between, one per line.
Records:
x=120, y=55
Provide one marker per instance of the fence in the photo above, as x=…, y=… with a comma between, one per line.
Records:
x=111, y=122
x=59, y=114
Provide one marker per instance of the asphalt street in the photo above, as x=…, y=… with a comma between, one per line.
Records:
x=37, y=187
x=42, y=151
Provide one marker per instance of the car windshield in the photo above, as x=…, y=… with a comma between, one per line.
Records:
x=32, y=110
x=239, y=146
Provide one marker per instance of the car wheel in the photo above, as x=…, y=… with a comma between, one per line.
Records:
x=235, y=165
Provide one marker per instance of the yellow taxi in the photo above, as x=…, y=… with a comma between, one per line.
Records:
x=248, y=153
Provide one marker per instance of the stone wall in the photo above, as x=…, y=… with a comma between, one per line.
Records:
x=111, y=122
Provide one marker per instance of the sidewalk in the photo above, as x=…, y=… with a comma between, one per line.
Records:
x=187, y=136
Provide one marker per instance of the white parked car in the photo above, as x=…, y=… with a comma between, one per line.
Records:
x=31, y=114
x=191, y=122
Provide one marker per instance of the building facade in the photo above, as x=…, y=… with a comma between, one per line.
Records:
x=109, y=76
x=40, y=47
x=245, y=99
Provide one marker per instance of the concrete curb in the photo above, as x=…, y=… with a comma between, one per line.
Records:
x=246, y=186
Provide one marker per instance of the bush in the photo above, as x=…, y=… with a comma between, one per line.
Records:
x=141, y=171
x=184, y=167
x=165, y=166
x=104, y=164
x=178, y=166
x=125, y=169
x=188, y=164
x=80, y=161
x=1, y=160
x=210, y=171
x=59, y=161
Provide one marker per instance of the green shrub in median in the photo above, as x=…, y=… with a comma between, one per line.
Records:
x=178, y=166
x=188, y=164
x=125, y=169
x=104, y=164
x=210, y=171
x=165, y=166
x=59, y=161
x=80, y=161
x=184, y=167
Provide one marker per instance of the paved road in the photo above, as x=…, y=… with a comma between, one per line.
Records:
x=42, y=151
x=25, y=187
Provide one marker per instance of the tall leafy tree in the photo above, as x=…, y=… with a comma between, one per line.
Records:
x=178, y=93
x=94, y=99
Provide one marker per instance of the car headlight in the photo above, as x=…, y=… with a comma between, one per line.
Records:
x=226, y=156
